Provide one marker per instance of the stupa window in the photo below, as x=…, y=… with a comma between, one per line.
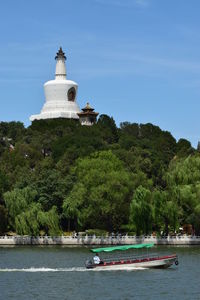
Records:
x=71, y=94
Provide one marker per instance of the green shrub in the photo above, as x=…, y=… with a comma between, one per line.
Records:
x=97, y=232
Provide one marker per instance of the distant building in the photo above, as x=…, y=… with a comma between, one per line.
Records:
x=88, y=116
x=60, y=97
x=60, y=94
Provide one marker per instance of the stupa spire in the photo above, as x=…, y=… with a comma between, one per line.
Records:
x=60, y=65
x=60, y=54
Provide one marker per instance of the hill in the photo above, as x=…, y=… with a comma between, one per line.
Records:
x=57, y=175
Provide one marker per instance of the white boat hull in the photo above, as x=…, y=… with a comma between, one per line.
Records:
x=162, y=262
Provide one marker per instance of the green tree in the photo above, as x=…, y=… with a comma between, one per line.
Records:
x=166, y=212
x=183, y=185
x=50, y=221
x=184, y=148
x=17, y=201
x=4, y=184
x=13, y=131
x=3, y=219
x=141, y=211
x=33, y=219
x=50, y=186
x=101, y=195
x=194, y=219
x=108, y=129
x=28, y=221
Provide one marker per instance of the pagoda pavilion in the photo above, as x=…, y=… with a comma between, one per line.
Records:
x=87, y=116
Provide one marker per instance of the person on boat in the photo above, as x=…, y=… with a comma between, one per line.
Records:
x=96, y=259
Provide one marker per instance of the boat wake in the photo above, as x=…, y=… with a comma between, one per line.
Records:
x=74, y=269
x=43, y=269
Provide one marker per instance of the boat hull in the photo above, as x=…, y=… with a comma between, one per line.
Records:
x=158, y=262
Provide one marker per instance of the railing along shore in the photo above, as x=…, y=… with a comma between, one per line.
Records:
x=99, y=240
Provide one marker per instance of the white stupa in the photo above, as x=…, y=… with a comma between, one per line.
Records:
x=60, y=94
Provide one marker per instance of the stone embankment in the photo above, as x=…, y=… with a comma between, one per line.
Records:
x=99, y=240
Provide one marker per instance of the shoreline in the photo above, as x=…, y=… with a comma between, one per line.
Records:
x=98, y=240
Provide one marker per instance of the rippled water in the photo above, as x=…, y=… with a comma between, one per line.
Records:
x=59, y=273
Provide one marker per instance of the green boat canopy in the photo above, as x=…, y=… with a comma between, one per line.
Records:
x=124, y=247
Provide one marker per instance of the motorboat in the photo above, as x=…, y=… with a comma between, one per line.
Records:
x=131, y=260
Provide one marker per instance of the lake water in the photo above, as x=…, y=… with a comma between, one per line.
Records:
x=55, y=272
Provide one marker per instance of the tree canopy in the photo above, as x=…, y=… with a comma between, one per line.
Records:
x=57, y=175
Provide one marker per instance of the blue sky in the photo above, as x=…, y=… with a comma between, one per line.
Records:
x=135, y=60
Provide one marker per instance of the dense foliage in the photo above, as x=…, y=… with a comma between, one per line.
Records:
x=57, y=175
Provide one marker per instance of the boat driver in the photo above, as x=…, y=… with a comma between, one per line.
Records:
x=96, y=259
